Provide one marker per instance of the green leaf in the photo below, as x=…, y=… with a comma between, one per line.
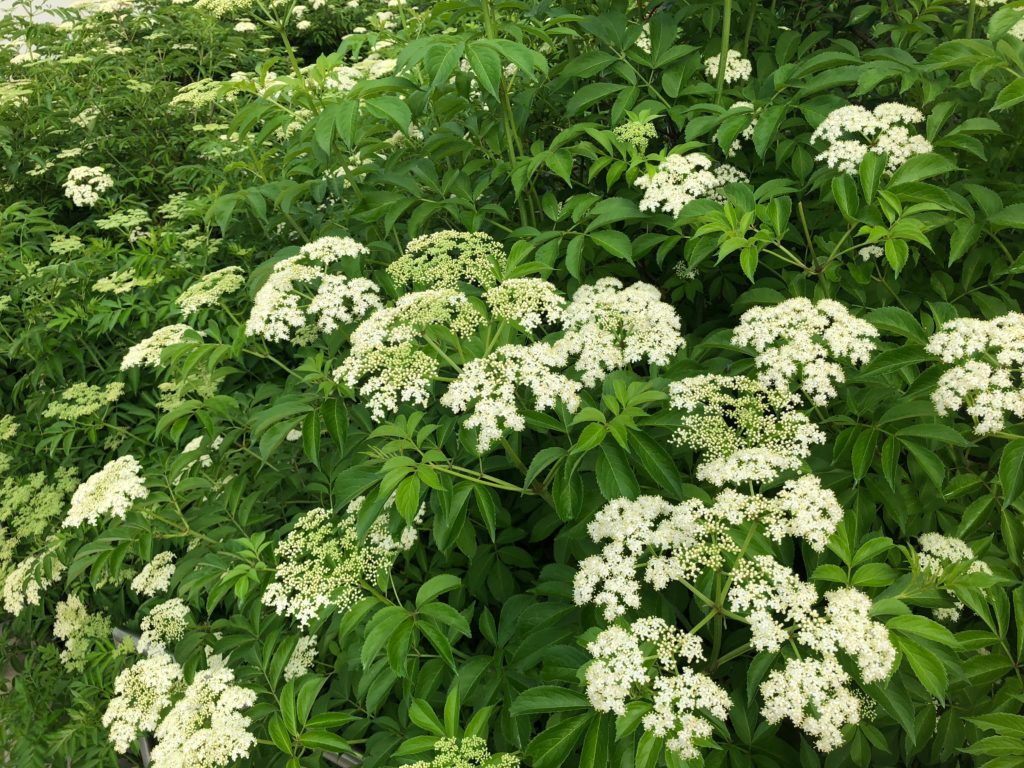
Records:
x=1011, y=471
x=422, y=715
x=616, y=243
x=435, y=587
x=870, y=173
x=407, y=498
x=486, y=66
x=845, y=192
x=324, y=741
x=551, y=747
x=614, y=475
x=548, y=698
x=1010, y=95
x=926, y=665
x=898, y=321
x=923, y=627
x=919, y=167
x=543, y=459
x=311, y=437
x=588, y=94
x=657, y=463
x=336, y=420
x=1012, y=216
x=941, y=432
x=391, y=108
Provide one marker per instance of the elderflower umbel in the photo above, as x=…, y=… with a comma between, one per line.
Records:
x=491, y=383
x=677, y=541
x=746, y=431
x=813, y=693
x=166, y=623
x=985, y=380
x=801, y=339
x=206, y=728
x=147, y=352
x=386, y=355
x=25, y=583
x=852, y=131
x=737, y=68
x=302, y=658
x=937, y=553
x=122, y=282
x=209, y=289
x=277, y=313
x=79, y=629
x=637, y=134
x=468, y=752
x=618, y=668
x=321, y=562
x=681, y=179
x=83, y=399
x=85, y=184
x=446, y=258
x=529, y=301
x=679, y=701
x=155, y=577
x=143, y=692
x=609, y=327
x=111, y=491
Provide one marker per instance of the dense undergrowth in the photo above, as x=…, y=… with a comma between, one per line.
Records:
x=484, y=383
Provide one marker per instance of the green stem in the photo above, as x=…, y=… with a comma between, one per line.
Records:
x=723, y=57
x=972, y=12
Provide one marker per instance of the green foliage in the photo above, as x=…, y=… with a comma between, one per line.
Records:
x=261, y=136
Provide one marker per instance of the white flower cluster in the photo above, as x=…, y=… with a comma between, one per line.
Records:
x=468, y=752
x=386, y=356
x=491, y=383
x=166, y=623
x=302, y=658
x=277, y=313
x=529, y=301
x=852, y=131
x=637, y=134
x=985, y=380
x=155, y=577
x=682, y=699
x=681, y=179
x=444, y=259
x=814, y=694
x=79, y=630
x=85, y=184
x=747, y=431
x=780, y=605
x=737, y=68
x=147, y=352
x=322, y=562
x=677, y=542
x=142, y=693
x=798, y=338
x=205, y=728
x=938, y=553
x=111, y=491
x=608, y=327
x=209, y=289
x=25, y=583
x=81, y=399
